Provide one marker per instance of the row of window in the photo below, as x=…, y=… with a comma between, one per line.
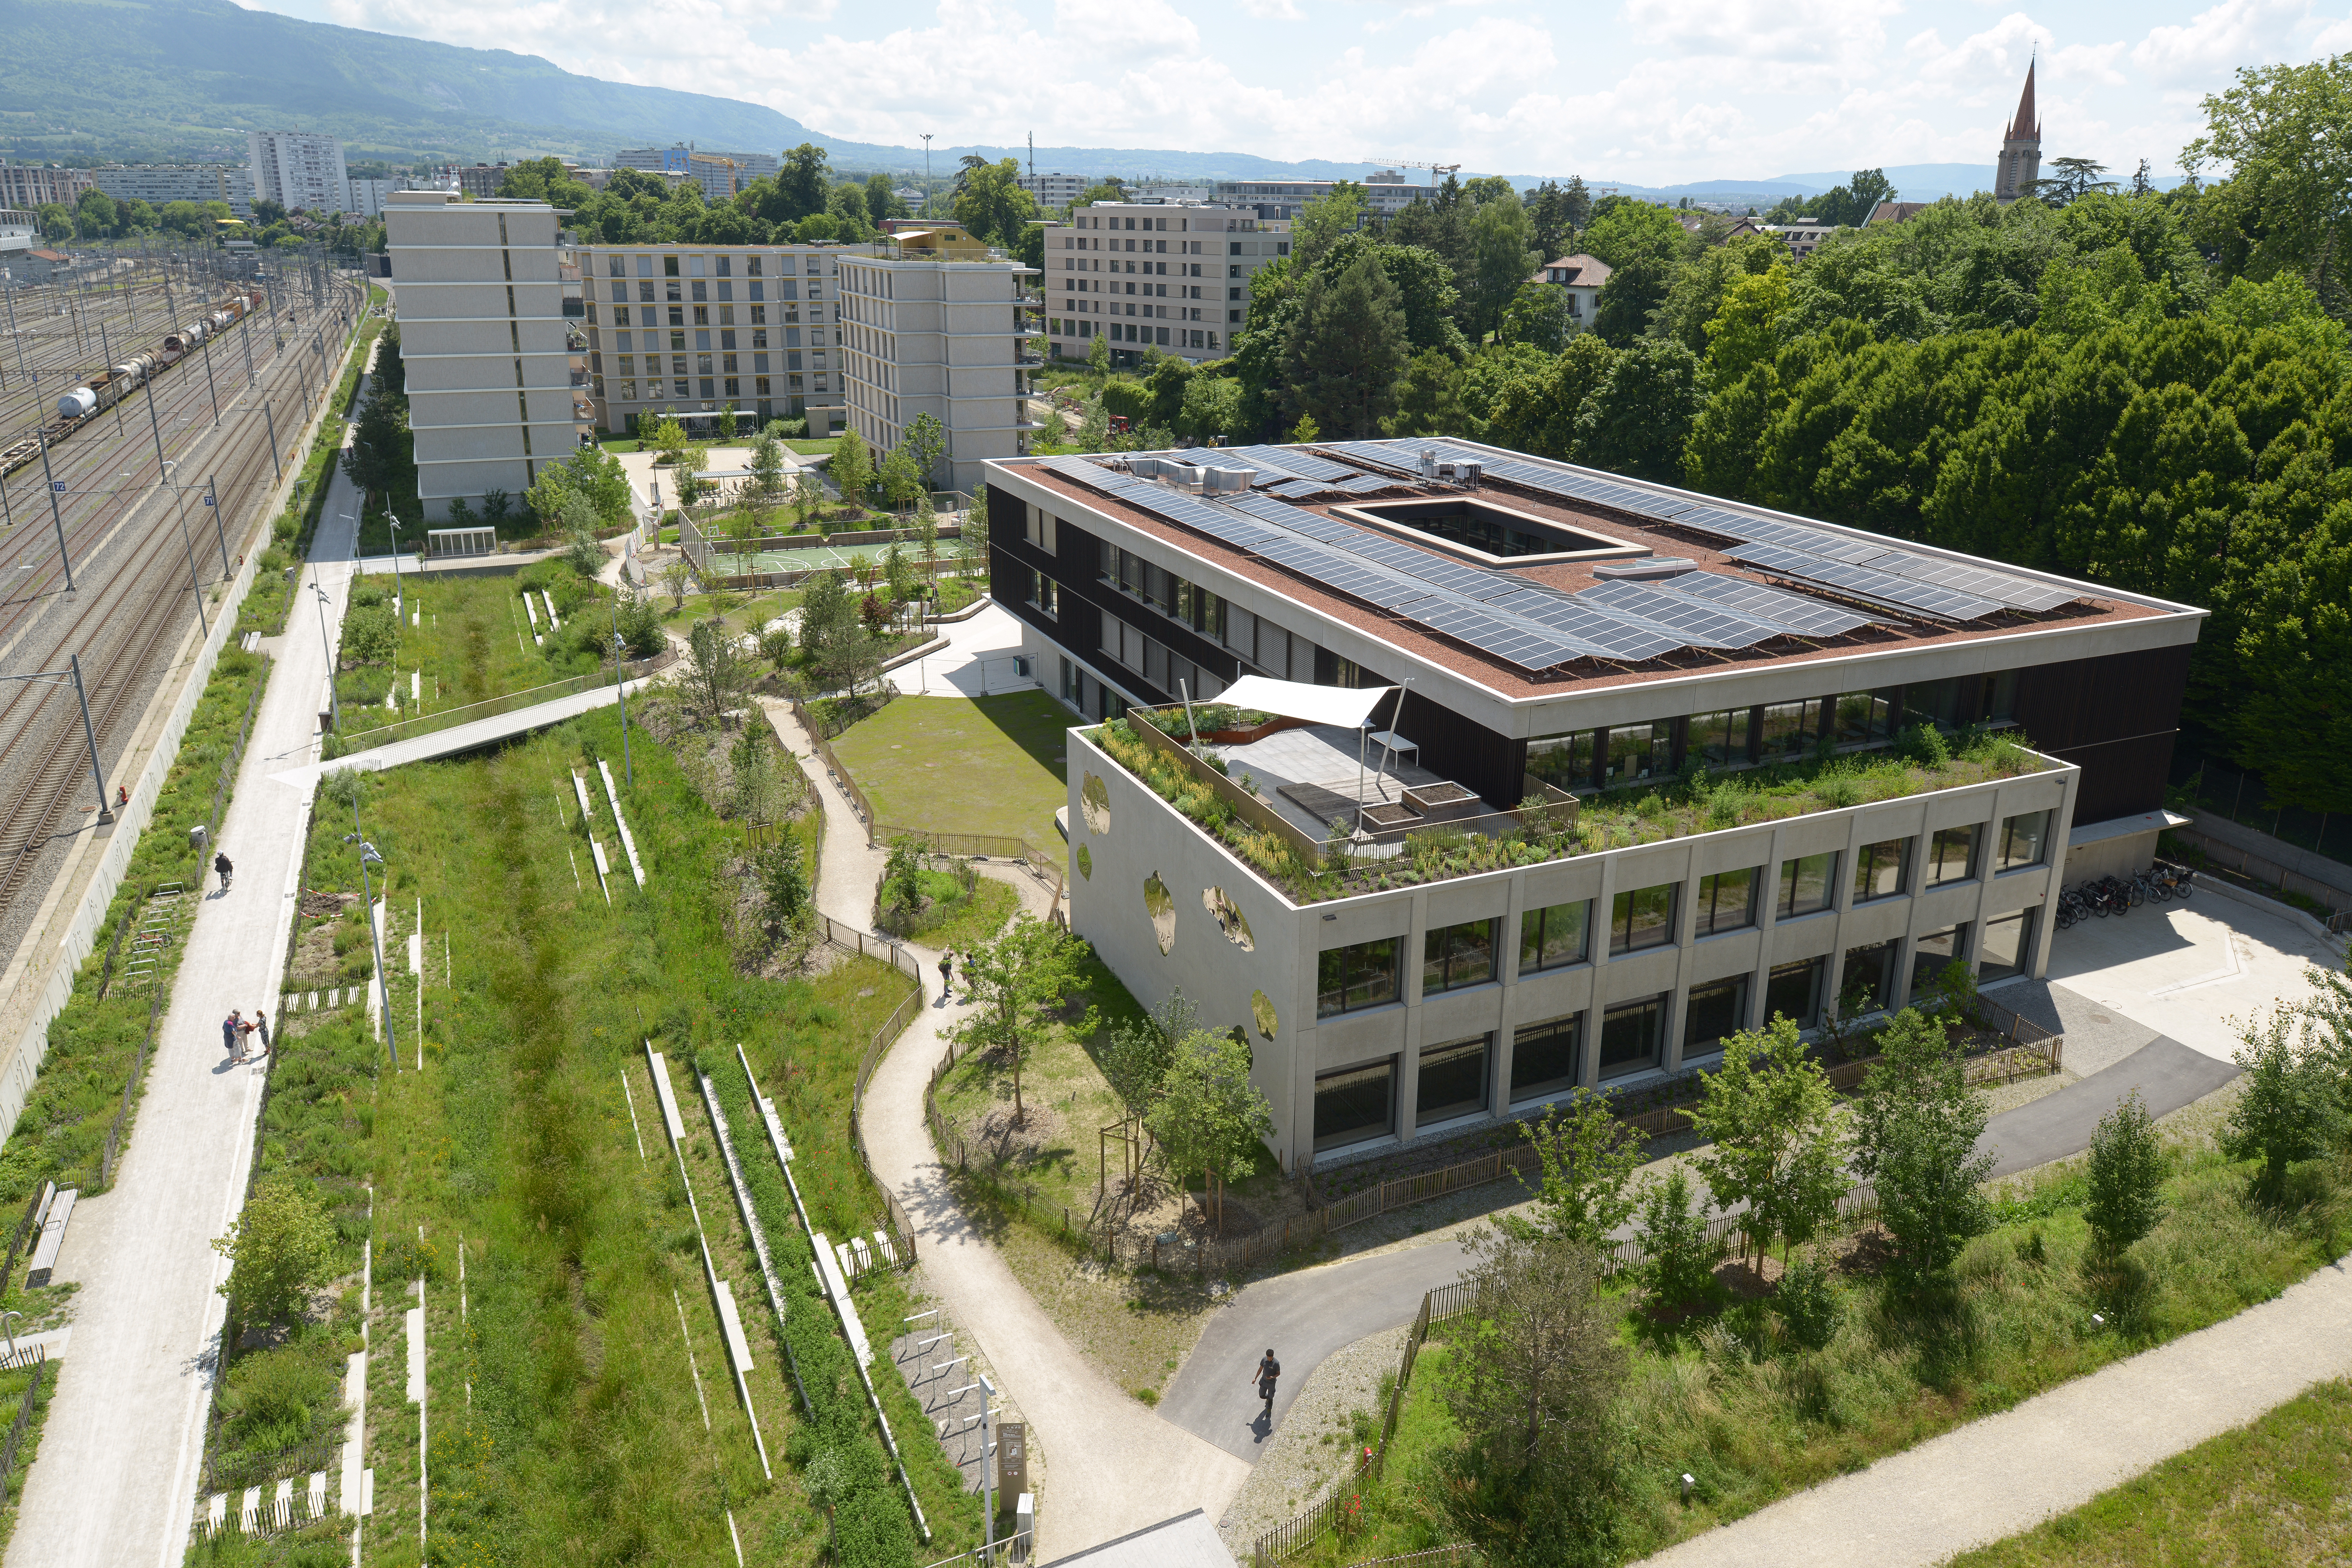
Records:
x=1773, y=733
x=1137, y=333
x=723, y=265
x=1106, y=221
x=622, y=341
x=761, y=385
x=627, y=364
x=698, y=293
x=1457, y=1079
x=676, y=316
x=1157, y=268
x=1365, y=975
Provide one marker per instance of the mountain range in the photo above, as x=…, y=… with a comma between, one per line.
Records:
x=85, y=81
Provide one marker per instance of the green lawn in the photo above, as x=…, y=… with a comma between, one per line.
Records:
x=2273, y=1492
x=954, y=765
x=469, y=639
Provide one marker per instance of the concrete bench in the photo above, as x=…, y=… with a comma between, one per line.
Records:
x=53, y=1237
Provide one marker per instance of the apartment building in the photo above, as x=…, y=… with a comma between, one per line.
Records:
x=694, y=329
x=32, y=185
x=299, y=169
x=483, y=333
x=158, y=184
x=1057, y=190
x=941, y=329
x=1472, y=651
x=1172, y=275
x=721, y=175
x=1386, y=194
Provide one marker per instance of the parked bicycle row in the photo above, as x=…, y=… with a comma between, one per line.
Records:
x=2118, y=895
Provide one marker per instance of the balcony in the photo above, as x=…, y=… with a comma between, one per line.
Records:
x=1300, y=807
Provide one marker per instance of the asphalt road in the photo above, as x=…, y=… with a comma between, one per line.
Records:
x=1307, y=1315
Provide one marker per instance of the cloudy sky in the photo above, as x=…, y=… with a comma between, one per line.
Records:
x=1654, y=91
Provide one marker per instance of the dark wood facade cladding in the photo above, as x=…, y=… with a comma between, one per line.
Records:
x=2115, y=717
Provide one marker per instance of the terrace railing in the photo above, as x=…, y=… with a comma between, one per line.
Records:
x=513, y=701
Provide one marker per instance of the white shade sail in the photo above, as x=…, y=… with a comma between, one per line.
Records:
x=1349, y=709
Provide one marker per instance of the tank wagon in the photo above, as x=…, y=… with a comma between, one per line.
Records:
x=102, y=391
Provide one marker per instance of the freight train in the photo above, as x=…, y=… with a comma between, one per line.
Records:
x=110, y=385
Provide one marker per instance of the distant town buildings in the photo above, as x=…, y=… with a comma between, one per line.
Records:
x=2020, y=148
x=1896, y=212
x=31, y=185
x=722, y=175
x=1173, y=276
x=1802, y=239
x=299, y=169
x=160, y=184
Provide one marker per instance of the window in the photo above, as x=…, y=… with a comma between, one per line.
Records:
x=1712, y=1011
x=2008, y=947
x=1936, y=950
x=1563, y=762
x=1866, y=718
x=1355, y=1104
x=1644, y=919
x=1719, y=739
x=1793, y=991
x=1998, y=698
x=1878, y=869
x=1547, y=1059
x=1452, y=1081
x=1935, y=703
x=1457, y=955
x=1870, y=971
x=645, y=292
x=2020, y=843
x=1629, y=1036
x=1636, y=750
x=1952, y=855
x=1790, y=731
x=1039, y=528
x=1726, y=900
x=1348, y=979
x=1807, y=884
x=1553, y=936
x=1045, y=593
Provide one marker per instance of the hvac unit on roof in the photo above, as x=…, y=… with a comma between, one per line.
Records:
x=1225, y=481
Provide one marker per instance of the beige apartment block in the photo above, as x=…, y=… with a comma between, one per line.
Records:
x=691, y=329
x=479, y=290
x=1173, y=276
x=951, y=338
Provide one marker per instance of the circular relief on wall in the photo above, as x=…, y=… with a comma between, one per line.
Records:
x=1086, y=863
x=1094, y=805
x=1161, y=905
x=1262, y=1010
x=1229, y=918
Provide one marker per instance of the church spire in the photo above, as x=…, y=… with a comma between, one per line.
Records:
x=2020, y=146
x=2027, y=126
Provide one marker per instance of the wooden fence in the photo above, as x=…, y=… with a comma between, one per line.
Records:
x=850, y=940
x=23, y=1424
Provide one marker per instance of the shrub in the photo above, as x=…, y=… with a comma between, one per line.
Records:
x=2126, y=1178
x=281, y=1249
x=1678, y=1267
x=1806, y=1307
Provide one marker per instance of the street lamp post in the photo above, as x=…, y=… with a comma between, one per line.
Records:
x=334, y=698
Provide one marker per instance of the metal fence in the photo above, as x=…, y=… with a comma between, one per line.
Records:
x=2261, y=874
x=2219, y=790
x=851, y=940
x=24, y=1422
x=513, y=701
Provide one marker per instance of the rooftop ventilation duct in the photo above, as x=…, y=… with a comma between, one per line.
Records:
x=1649, y=570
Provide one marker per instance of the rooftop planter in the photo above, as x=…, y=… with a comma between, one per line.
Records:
x=1552, y=827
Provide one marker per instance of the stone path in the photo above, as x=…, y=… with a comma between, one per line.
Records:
x=1109, y=1465
x=2007, y=1473
x=115, y=1480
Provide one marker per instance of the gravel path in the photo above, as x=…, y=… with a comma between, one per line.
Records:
x=1313, y=1449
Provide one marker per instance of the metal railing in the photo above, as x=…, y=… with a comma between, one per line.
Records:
x=490, y=708
x=24, y=1422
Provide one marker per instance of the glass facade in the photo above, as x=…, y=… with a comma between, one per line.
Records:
x=1551, y=937
x=1808, y=886
x=1726, y=900
x=1791, y=731
x=1793, y=991
x=1563, y=762
x=1866, y=718
x=2020, y=840
x=1457, y=955
x=1711, y=1012
x=1629, y=1036
x=1452, y=1081
x=1547, y=1059
x=1936, y=950
x=1872, y=970
x=1719, y=739
x=1952, y=854
x=1637, y=751
x=1355, y=1105
x=1643, y=919
x=2008, y=947
x=1362, y=975
x=1878, y=869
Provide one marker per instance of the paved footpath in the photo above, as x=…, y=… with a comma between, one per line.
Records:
x=2007, y=1473
x=1110, y=1465
x=115, y=1481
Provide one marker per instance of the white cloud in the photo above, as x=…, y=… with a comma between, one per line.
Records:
x=1781, y=31
x=2234, y=33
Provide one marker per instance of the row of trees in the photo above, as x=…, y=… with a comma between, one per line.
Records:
x=95, y=216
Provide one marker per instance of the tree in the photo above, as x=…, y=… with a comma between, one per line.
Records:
x=1550, y=214
x=882, y=203
x=2126, y=1178
x=927, y=439
x=1678, y=1263
x=1537, y=315
x=1539, y=412
x=1019, y=979
x=2287, y=205
x=1745, y=330
x=1502, y=243
x=851, y=467
x=846, y=204
x=766, y=467
x=1916, y=1132
x=1428, y=401
x=784, y=882
x=1136, y=1058
x=675, y=577
x=716, y=665
x=670, y=439
x=900, y=478
x=1536, y=1372
x=1208, y=1118
x=1346, y=351
x=1320, y=223
x=1589, y=1158
x=376, y=460
x=1777, y=1132
x=902, y=872
x=2292, y=1108
x=990, y=203
x=825, y=611
x=2075, y=178
x=371, y=635
x=280, y=1247
x=728, y=423
x=1637, y=420
x=95, y=216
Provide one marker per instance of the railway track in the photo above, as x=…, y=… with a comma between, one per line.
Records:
x=124, y=625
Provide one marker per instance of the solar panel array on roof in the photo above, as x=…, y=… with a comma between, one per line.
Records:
x=1807, y=618
x=1943, y=603
x=1697, y=622
x=1976, y=581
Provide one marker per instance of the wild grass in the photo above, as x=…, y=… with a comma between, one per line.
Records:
x=952, y=915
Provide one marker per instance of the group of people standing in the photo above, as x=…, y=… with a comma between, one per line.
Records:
x=237, y=1032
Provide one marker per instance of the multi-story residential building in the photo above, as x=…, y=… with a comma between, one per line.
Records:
x=30, y=185
x=1173, y=276
x=485, y=339
x=20, y=230
x=933, y=324
x=694, y=329
x=299, y=169
x=1581, y=277
x=365, y=196
x=1386, y=194
x=159, y=185
x=722, y=175
x=1057, y=190
x=1495, y=657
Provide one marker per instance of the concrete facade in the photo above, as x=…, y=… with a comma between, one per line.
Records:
x=485, y=341
x=721, y=175
x=953, y=338
x=1133, y=835
x=158, y=184
x=756, y=328
x=299, y=169
x=1172, y=276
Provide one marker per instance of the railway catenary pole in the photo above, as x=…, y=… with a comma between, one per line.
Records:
x=163, y=468
x=277, y=470
x=108, y=348
x=11, y=293
x=211, y=503
x=7, y=513
x=209, y=387
x=97, y=773
x=246, y=339
x=56, y=516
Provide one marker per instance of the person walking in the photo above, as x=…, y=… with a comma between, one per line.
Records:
x=947, y=973
x=1267, y=1371
x=220, y=864
x=230, y=1035
x=261, y=1027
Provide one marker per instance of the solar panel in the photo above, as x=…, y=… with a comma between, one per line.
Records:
x=1702, y=623
x=1943, y=603
x=2017, y=593
x=1812, y=617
